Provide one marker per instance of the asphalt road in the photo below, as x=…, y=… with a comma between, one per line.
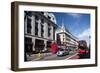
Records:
x=49, y=56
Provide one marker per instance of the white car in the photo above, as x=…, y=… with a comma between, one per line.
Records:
x=62, y=52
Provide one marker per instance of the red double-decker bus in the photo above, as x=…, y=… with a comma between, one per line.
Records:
x=84, y=51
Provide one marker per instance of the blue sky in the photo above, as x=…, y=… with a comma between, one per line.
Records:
x=77, y=23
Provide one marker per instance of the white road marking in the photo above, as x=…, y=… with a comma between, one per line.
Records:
x=71, y=56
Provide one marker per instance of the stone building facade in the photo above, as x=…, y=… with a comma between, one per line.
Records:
x=39, y=30
x=66, y=37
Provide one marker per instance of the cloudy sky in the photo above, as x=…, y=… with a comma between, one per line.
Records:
x=78, y=24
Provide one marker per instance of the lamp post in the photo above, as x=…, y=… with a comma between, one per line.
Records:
x=89, y=41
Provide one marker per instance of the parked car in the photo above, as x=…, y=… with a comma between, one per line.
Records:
x=62, y=52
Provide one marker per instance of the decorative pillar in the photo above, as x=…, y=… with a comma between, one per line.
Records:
x=51, y=32
x=33, y=25
x=25, y=23
x=45, y=47
x=45, y=30
x=33, y=40
x=39, y=28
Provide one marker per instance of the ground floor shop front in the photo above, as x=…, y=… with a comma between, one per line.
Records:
x=36, y=45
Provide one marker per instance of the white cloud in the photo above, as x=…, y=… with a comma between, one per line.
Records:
x=85, y=33
x=85, y=36
x=75, y=15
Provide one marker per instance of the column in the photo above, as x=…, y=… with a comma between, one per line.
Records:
x=33, y=25
x=25, y=24
x=39, y=28
x=45, y=47
x=45, y=30
x=51, y=32
x=33, y=40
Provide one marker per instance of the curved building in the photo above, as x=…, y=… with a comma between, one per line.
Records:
x=66, y=37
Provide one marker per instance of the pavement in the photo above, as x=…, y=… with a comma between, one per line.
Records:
x=50, y=56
